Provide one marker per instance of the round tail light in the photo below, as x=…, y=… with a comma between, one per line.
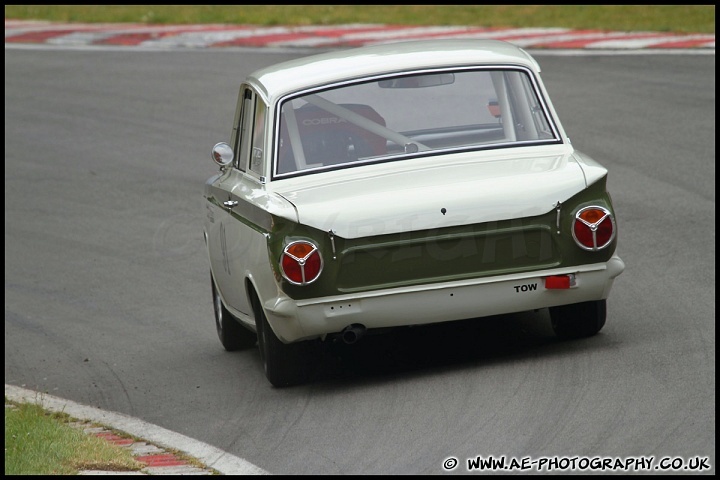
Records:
x=301, y=262
x=593, y=228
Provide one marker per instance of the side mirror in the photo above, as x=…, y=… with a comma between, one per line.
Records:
x=222, y=154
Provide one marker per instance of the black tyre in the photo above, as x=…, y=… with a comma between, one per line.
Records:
x=579, y=319
x=231, y=333
x=285, y=364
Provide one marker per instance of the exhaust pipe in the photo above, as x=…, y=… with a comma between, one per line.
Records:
x=352, y=333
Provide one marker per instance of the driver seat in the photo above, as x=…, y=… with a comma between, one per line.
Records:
x=330, y=140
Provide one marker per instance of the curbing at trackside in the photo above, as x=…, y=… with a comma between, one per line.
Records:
x=153, y=435
x=165, y=37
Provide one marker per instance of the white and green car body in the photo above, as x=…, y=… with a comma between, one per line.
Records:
x=397, y=185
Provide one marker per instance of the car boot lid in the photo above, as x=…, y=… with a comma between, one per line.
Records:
x=389, y=199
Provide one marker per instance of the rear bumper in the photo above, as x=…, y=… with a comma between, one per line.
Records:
x=294, y=320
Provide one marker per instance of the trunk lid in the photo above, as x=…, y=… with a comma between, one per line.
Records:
x=425, y=196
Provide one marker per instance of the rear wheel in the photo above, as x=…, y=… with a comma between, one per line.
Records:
x=285, y=364
x=579, y=319
x=232, y=335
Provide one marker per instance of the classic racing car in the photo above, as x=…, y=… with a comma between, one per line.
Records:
x=401, y=184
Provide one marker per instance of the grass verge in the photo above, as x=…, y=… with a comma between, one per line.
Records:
x=38, y=442
x=656, y=18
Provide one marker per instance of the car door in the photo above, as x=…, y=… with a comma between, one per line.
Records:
x=232, y=244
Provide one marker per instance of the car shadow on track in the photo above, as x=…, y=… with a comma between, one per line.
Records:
x=430, y=347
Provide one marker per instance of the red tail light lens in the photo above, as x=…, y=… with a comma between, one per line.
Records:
x=594, y=228
x=301, y=263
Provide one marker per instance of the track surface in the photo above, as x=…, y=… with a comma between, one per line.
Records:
x=107, y=293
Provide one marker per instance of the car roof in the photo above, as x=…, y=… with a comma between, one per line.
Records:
x=280, y=79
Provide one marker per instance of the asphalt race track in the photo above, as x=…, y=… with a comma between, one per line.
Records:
x=107, y=288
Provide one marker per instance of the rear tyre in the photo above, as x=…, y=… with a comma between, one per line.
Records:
x=285, y=364
x=232, y=335
x=578, y=320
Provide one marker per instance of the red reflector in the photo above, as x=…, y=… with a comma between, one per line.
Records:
x=557, y=282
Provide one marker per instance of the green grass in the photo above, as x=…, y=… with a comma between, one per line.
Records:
x=657, y=18
x=38, y=442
